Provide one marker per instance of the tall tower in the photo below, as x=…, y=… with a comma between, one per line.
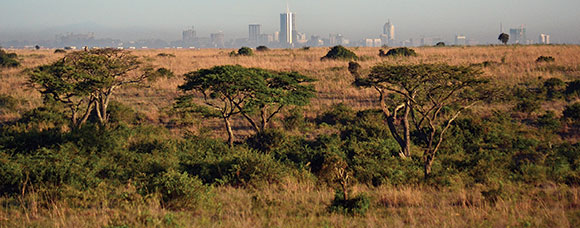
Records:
x=389, y=30
x=287, y=27
x=188, y=35
x=254, y=32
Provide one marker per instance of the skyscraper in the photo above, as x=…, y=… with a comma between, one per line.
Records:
x=287, y=27
x=518, y=35
x=254, y=32
x=544, y=39
x=389, y=30
x=188, y=35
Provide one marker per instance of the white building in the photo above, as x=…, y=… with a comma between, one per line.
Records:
x=544, y=39
x=287, y=27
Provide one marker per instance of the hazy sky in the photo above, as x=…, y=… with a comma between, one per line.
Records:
x=356, y=19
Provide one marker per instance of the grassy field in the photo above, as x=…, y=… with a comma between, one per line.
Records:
x=302, y=197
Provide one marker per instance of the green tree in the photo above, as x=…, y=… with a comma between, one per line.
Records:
x=84, y=81
x=504, y=38
x=431, y=96
x=8, y=59
x=245, y=51
x=257, y=94
x=340, y=52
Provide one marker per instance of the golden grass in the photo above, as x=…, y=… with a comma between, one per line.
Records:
x=334, y=81
x=302, y=204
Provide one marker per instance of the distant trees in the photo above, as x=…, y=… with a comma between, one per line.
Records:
x=504, y=38
x=262, y=48
x=395, y=52
x=8, y=59
x=425, y=98
x=257, y=94
x=340, y=53
x=440, y=44
x=85, y=81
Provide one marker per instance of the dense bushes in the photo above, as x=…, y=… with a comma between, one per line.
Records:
x=396, y=52
x=8, y=59
x=340, y=53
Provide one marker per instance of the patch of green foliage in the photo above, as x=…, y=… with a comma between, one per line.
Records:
x=398, y=52
x=8, y=60
x=339, y=53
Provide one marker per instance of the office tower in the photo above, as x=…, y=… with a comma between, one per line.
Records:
x=544, y=39
x=188, y=35
x=460, y=40
x=518, y=35
x=254, y=32
x=389, y=31
x=218, y=39
x=287, y=27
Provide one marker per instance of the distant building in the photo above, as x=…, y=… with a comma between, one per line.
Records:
x=188, y=35
x=218, y=40
x=460, y=40
x=373, y=42
x=544, y=39
x=264, y=39
x=518, y=35
x=287, y=27
x=254, y=33
x=389, y=31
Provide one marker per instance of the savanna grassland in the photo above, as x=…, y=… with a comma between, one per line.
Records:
x=511, y=160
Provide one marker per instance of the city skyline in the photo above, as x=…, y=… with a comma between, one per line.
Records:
x=410, y=27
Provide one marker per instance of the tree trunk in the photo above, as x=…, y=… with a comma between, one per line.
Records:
x=407, y=131
x=429, y=157
x=230, y=132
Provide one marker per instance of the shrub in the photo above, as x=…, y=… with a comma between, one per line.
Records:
x=245, y=51
x=527, y=106
x=549, y=121
x=340, y=53
x=573, y=89
x=572, y=112
x=179, y=190
x=7, y=103
x=338, y=114
x=262, y=48
x=545, y=59
x=402, y=51
x=440, y=44
x=8, y=59
x=554, y=88
x=165, y=55
x=58, y=51
x=357, y=205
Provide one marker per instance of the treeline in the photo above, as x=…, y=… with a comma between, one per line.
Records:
x=436, y=125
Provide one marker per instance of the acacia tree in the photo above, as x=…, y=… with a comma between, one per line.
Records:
x=257, y=94
x=84, y=81
x=504, y=38
x=424, y=91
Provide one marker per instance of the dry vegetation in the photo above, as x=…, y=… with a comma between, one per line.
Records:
x=296, y=202
x=506, y=64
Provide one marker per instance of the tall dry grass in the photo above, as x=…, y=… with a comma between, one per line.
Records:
x=508, y=65
x=303, y=204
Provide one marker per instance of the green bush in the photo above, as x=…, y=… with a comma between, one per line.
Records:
x=59, y=51
x=549, y=121
x=357, y=205
x=8, y=103
x=572, y=112
x=179, y=190
x=527, y=106
x=338, y=114
x=554, y=88
x=573, y=89
x=396, y=52
x=545, y=59
x=262, y=48
x=339, y=53
x=8, y=60
x=245, y=51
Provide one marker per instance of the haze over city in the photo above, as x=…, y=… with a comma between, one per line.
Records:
x=33, y=20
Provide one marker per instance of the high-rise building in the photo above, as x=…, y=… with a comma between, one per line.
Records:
x=287, y=27
x=389, y=31
x=460, y=40
x=544, y=39
x=518, y=35
x=189, y=35
x=218, y=39
x=254, y=32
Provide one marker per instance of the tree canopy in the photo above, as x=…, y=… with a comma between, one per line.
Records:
x=340, y=52
x=84, y=81
x=431, y=97
x=257, y=94
x=504, y=38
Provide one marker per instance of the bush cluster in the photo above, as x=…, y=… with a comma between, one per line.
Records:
x=340, y=53
x=8, y=60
